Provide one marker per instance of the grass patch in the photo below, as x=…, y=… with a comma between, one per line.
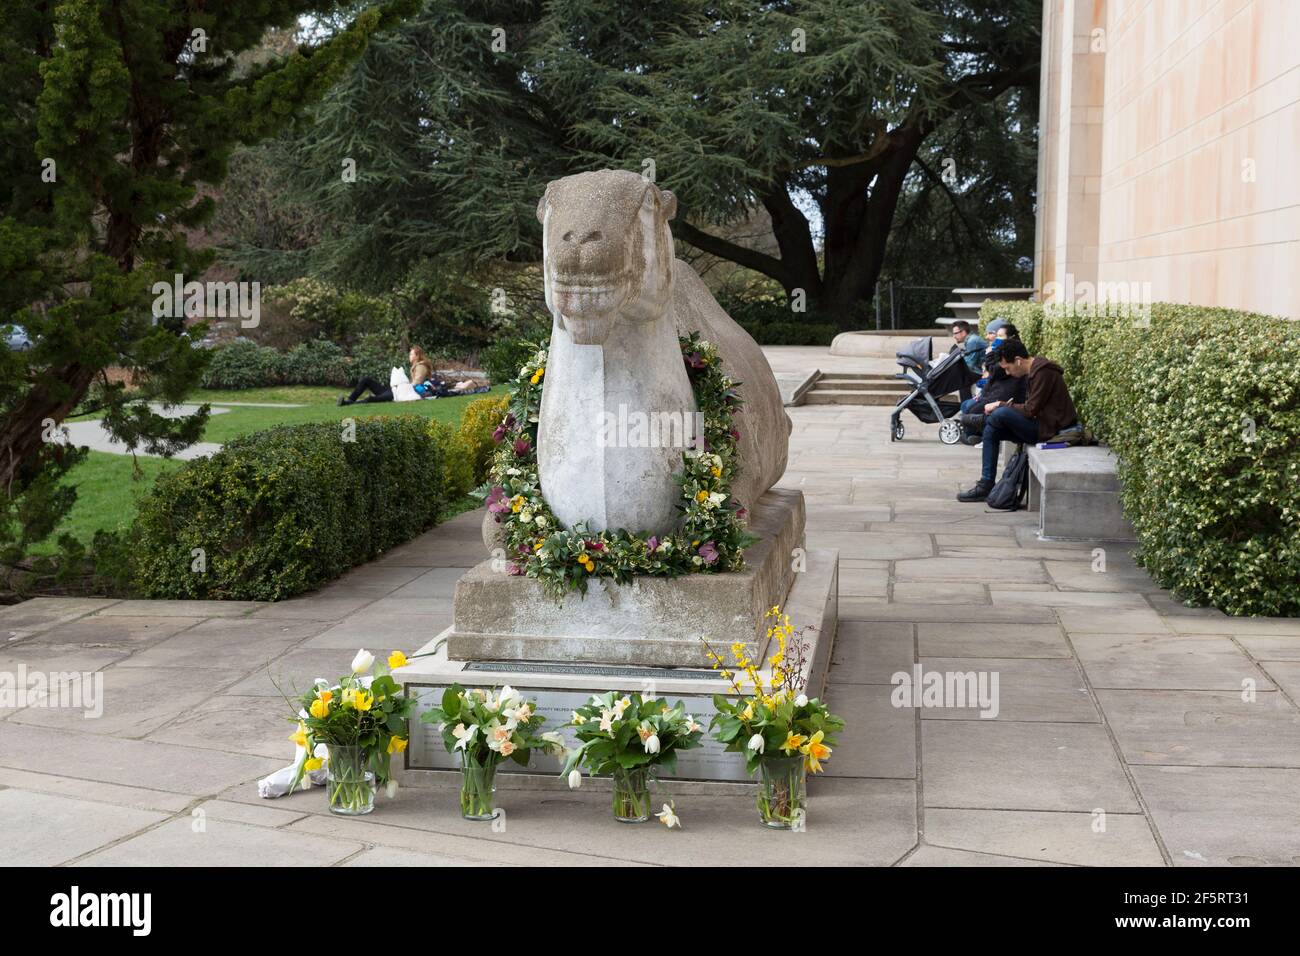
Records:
x=107, y=488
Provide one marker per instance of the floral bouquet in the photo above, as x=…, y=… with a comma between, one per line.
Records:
x=361, y=720
x=781, y=731
x=629, y=737
x=485, y=728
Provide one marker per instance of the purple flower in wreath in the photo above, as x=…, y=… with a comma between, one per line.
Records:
x=522, y=447
x=652, y=545
x=695, y=360
x=735, y=434
x=709, y=552
x=496, y=501
x=513, y=568
x=507, y=425
x=741, y=512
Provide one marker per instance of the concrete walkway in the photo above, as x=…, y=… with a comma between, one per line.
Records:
x=1130, y=730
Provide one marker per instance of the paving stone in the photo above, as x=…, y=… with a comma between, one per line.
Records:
x=265, y=814
x=1081, y=839
x=1165, y=662
x=198, y=609
x=312, y=607
x=869, y=544
x=1238, y=626
x=434, y=583
x=951, y=613
x=222, y=642
x=1005, y=765
x=386, y=621
x=234, y=724
x=1286, y=675
x=940, y=592
x=878, y=740
x=141, y=798
x=38, y=829
x=1112, y=621
x=1224, y=816
x=37, y=614
x=850, y=822
x=1279, y=647
x=1204, y=728
x=943, y=856
x=1099, y=601
x=371, y=580
x=134, y=701
x=21, y=663
x=1051, y=690
x=295, y=672
x=390, y=856
x=968, y=639
x=956, y=569
x=223, y=843
x=859, y=583
x=870, y=653
x=132, y=763
x=104, y=631
x=1080, y=576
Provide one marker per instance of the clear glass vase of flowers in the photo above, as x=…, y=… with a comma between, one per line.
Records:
x=362, y=721
x=486, y=727
x=782, y=732
x=631, y=737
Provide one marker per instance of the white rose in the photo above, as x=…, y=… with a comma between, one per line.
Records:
x=801, y=700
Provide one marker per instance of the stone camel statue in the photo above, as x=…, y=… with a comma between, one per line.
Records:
x=620, y=299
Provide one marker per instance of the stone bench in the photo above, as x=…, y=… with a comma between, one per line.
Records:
x=1076, y=494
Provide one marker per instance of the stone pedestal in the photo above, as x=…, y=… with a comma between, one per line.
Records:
x=558, y=687
x=655, y=622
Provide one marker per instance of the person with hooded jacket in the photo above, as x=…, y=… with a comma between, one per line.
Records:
x=1046, y=411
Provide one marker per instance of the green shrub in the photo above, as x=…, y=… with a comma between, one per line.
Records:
x=1202, y=408
x=476, y=427
x=507, y=354
x=286, y=510
x=454, y=459
x=243, y=365
x=318, y=362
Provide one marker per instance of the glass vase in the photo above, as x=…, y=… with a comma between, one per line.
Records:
x=783, y=792
x=477, y=787
x=632, y=795
x=350, y=787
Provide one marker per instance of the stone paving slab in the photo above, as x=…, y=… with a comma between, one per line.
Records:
x=1159, y=662
x=223, y=843
x=38, y=829
x=1028, y=690
x=943, y=856
x=1081, y=839
x=991, y=640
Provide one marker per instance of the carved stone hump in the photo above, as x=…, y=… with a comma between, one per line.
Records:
x=619, y=300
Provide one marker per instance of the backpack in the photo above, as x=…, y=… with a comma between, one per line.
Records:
x=1012, y=490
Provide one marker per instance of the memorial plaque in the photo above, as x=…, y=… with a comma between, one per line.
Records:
x=707, y=762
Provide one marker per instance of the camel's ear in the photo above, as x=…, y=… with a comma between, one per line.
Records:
x=670, y=204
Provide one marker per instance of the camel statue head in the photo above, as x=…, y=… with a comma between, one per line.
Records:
x=606, y=251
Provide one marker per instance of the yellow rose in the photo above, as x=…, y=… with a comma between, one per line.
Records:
x=396, y=659
x=320, y=709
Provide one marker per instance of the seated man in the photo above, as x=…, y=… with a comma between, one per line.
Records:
x=998, y=387
x=1047, y=410
x=972, y=346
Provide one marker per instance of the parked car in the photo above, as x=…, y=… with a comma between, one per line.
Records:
x=16, y=339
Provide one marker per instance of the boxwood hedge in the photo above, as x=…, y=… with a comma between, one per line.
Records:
x=1202, y=407
x=283, y=511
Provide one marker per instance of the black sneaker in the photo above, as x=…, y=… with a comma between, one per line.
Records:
x=978, y=493
x=343, y=400
x=972, y=439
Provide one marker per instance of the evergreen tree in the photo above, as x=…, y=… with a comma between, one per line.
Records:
x=458, y=119
x=117, y=114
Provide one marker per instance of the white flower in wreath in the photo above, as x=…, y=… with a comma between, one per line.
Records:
x=540, y=521
x=513, y=471
x=526, y=516
x=716, y=498
x=697, y=560
x=607, y=719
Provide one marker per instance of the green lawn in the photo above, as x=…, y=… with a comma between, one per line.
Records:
x=108, y=487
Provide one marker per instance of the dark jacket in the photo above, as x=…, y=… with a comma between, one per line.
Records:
x=1001, y=387
x=1048, y=401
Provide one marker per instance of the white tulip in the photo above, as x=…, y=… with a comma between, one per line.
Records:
x=652, y=744
x=756, y=743
x=390, y=788
x=575, y=779
x=801, y=700
x=361, y=663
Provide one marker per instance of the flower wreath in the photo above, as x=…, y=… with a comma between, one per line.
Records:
x=711, y=537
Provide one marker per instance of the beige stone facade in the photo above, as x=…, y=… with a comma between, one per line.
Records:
x=1169, y=165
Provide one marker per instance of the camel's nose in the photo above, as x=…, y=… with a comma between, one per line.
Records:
x=593, y=235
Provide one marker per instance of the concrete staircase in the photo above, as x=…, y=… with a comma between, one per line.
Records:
x=856, y=388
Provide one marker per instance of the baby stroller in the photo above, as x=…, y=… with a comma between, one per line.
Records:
x=931, y=382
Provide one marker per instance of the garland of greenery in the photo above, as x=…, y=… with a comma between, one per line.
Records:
x=711, y=537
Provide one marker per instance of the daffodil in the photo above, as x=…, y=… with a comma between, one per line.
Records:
x=668, y=818
x=396, y=745
x=815, y=751
x=363, y=700
x=793, y=742
x=320, y=709
x=299, y=736
x=396, y=659
x=314, y=763
x=464, y=735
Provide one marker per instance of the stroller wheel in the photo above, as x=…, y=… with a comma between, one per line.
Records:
x=897, y=434
x=950, y=432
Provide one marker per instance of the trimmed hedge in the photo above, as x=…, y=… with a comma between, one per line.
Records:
x=1202, y=407
x=476, y=427
x=283, y=511
x=246, y=364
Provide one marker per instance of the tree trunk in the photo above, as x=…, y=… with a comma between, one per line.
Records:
x=22, y=435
